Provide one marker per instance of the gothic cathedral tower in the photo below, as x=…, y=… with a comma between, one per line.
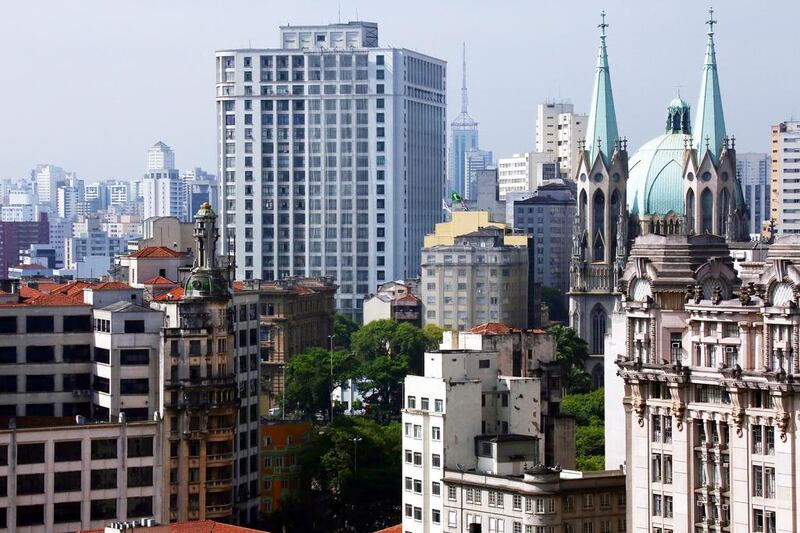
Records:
x=600, y=234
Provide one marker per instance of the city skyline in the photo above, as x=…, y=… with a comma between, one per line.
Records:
x=172, y=76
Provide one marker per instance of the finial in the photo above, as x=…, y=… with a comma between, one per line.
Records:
x=725, y=142
x=711, y=21
x=602, y=24
x=625, y=144
x=708, y=141
x=733, y=142
x=599, y=143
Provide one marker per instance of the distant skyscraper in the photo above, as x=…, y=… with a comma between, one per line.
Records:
x=753, y=172
x=332, y=157
x=475, y=159
x=525, y=172
x=47, y=178
x=464, y=136
x=558, y=130
x=160, y=157
x=163, y=191
x=785, y=172
x=200, y=187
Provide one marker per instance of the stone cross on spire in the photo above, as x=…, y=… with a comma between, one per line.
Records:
x=711, y=21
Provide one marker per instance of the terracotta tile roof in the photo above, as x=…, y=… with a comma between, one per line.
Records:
x=159, y=280
x=156, y=251
x=174, y=294
x=110, y=286
x=492, y=328
x=497, y=328
x=31, y=266
x=394, y=529
x=410, y=298
x=238, y=286
x=55, y=300
x=199, y=526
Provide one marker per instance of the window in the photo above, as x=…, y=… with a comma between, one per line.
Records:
x=569, y=504
x=67, y=451
x=417, y=431
x=418, y=486
x=140, y=476
x=30, y=515
x=451, y=493
x=588, y=501
x=30, y=484
x=66, y=512
x=484, y=363
x=436, y=488
x=436, y=516
x=452, y=519
x=437, y=406
x=418, y=513
x=104, y=478
x=67, y=481
x=436, y=433
x=77, y=323
x=436, y=460
x=103, y=509
x=409, y=510
x=29, y=454
x=8, y=324
x=104, y=449
x=516, y=502
x=134, y=357
x=424, y=404
x=409, y=456
x=140, y=506
x=39, y=324
x=417, y=459
x=411, y=402
x=40, y=354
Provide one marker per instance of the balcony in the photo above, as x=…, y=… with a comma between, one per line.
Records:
x=220, y=459
x=219, y=511
x=217, y=485
x=220, y=433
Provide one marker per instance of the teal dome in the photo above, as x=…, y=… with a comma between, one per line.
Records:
x=655, y=176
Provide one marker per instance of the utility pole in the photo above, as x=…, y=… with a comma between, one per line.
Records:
x=355, y=453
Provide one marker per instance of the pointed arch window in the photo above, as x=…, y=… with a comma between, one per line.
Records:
x=598, y=226
x=598, y=334
x=582, y=209
x=706, y=211
x=724, y=204
x=690, y=211
x=614, y=222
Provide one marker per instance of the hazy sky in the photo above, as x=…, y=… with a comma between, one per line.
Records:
x=89, y=85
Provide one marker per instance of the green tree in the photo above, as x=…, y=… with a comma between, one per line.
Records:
x=556, y=303
x=351, y=461
x=343, y=328
x=309, y=382
x=589, y=440
x=433, y=334
x=588, y=409
x=572, y=353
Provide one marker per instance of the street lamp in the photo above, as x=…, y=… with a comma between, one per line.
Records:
x=355, y=440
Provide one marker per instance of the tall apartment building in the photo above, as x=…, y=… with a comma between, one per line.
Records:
x=475, y=271
x=463, y=138
x=754, y=175
x=547, y=217
x=20, y=206
x=525, y=172
x=17, y=236
x=46, y=179
x=332, y=157
x=785, y=177
x=558, y=130
x=164, y=194
x=707, y=369
x=97, y=195
x=475, y=160
x=160, y=157
x=459, y=407
x=201, y=187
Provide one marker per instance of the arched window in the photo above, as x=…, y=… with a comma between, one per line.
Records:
x=615, y=222
x=598, y=322
x=598, y=225
x=690, y=211
x=582, y=210
x=781, y=294
x=724, y=203
x=706, y=212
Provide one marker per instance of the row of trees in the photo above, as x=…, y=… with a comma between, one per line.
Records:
x=378, y=356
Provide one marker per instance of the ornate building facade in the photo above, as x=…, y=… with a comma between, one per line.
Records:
x=683, y=182
x=710, y=387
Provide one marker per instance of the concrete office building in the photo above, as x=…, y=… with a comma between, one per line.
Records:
x=46, y=179
x=332, y=157
x=65, y=475
x=525, y=172
x=547, y=217
x=164, y=194
x=754, y=174
x=475, y=160
x=462, y=404
x=785, y=177
x=474, y=271
x=18, y=236
x=558, y=131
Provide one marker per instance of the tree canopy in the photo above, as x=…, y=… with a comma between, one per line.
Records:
x=589, y=412
x=572, y=353
x=309, y=382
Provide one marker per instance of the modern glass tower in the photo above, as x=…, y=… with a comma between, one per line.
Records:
x=331, y=156
x=464, y=137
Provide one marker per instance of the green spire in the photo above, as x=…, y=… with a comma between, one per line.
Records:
x=709, y=122
x=601, y=132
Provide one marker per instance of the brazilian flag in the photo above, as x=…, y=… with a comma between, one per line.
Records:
x=455, y=197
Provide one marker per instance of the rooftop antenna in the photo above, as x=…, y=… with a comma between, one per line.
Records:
x=464, y=77
x=340, y=13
